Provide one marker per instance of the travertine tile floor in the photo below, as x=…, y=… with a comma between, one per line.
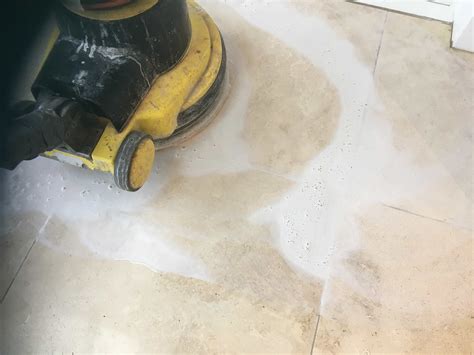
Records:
x=327, y=209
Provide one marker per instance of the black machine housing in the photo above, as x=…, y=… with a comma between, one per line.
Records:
x=109, y=65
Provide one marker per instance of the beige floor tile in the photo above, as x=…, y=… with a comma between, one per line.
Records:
x=424, y=82
x=17, y=237
x=76, y=303
x=408, y=289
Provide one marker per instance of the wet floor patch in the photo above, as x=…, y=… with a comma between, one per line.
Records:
x=293, y=109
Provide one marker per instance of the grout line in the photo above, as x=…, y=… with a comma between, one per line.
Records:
x=426, y=217
x=380, y=44
x=41, y=230
x=314, y=337
x=369, y=95
x=17, y=271
x=439, y=3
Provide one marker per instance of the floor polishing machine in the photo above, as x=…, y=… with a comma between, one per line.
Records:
x=119, y=80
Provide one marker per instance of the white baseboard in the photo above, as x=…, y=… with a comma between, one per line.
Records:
x=458, y=12
x=441, y=10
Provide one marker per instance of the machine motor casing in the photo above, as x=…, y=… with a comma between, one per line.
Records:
x=110, y=63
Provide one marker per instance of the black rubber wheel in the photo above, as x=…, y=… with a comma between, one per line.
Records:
x=123, y=160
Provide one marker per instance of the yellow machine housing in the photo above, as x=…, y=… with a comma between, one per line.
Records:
x=156, y=116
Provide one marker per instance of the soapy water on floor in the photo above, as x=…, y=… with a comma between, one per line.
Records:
x=285, y=166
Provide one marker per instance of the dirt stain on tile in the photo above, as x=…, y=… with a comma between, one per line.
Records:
x=363, y=269
x=361, y=25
